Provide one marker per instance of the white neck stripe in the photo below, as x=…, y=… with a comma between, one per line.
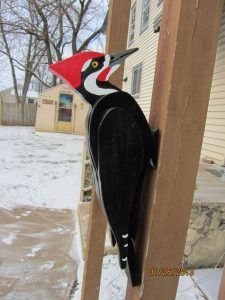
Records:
x=90, y=82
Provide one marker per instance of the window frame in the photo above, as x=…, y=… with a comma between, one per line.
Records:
x=134, y=6
x=135, y=68
x=157, y=23
x=159, y=2
x=30, y=100
x=143, y=28
x=62, y=107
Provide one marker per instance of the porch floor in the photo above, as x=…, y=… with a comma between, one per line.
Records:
x=35, y=260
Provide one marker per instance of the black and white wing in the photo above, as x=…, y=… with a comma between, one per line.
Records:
x=120, y=165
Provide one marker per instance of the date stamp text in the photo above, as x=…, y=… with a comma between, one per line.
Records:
x=171, y=271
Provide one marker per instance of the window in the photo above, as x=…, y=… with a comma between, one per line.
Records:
x=157, y=23
x=136, y=80
x=132, y=24
x=145, y=14
x=30, y=100
x=65, y=108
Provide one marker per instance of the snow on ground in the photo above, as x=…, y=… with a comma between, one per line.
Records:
x=39, y=169
x=203, y=285
x=44, y=170
x=217, y=170
x=113, y=280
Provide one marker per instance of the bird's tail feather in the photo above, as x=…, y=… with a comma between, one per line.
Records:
x=123, y=254
x=133, y=269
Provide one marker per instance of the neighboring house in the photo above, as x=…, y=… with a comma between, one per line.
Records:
x=8, y=95
x=144, y=27
x=61, y=109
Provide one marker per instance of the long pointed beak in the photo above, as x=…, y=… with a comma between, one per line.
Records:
x=118, y=58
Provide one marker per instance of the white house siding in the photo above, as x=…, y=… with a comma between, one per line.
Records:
x=147, y=42
x=214, y=139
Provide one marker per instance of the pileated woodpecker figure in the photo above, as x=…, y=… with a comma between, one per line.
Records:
x=120, y=142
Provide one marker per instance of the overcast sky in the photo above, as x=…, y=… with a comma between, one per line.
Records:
x=5, y=72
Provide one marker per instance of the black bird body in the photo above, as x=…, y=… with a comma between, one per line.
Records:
x=121, y=147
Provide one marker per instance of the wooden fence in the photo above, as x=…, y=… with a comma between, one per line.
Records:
x=11, y=114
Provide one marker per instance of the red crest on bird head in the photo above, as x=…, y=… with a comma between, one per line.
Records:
x=69, y=69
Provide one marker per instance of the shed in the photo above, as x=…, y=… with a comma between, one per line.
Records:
x=61, y=109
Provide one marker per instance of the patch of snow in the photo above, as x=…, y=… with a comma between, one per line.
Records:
x=209, y=281
x=223, y=176
x=187, y=290
x=34, y=251
x=48, y=265
x=76, y=253
x=9, y=239
x=217, y=170
x=76, y=248
x=46, y=168
x=57, y=230
x=77, y=294
x=63, y=285
x=114, y=281
x=26, y=213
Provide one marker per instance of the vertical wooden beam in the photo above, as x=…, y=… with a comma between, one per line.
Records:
x=117, y=30
x=222, y=286
x=94, y=251
x=184, y=70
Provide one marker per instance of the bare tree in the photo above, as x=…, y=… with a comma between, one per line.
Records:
x=6, y=50
x=36, y=33
x=24, y=51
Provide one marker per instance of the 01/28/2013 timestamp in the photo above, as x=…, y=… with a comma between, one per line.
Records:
x=170, y=271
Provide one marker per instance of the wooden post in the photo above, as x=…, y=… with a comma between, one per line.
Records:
x=94, y=251
x=116, y=41
x=222, y=286
x=184, y=70
x=117, y=30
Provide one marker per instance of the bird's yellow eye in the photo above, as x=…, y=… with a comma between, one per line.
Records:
x=94, y=64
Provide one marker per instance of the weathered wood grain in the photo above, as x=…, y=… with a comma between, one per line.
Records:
x=184, y=69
